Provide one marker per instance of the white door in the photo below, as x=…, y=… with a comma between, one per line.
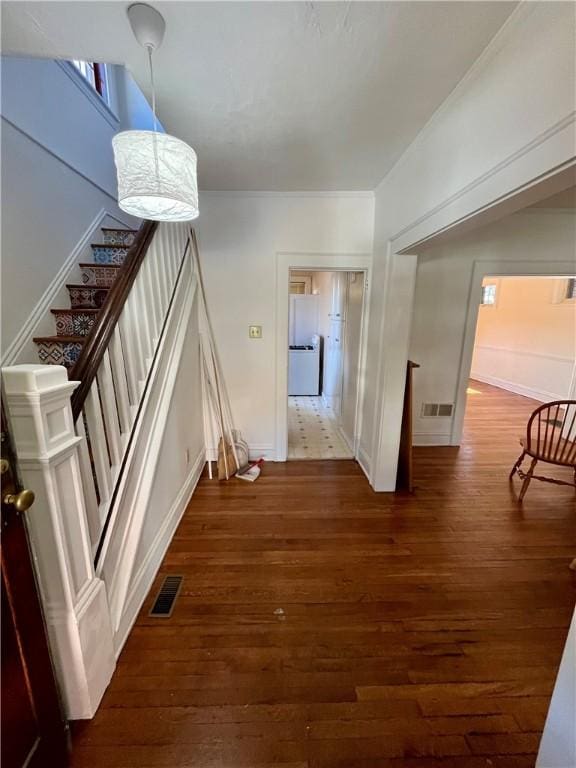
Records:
x=351, y=354
x=338, y=297
x=333, y=365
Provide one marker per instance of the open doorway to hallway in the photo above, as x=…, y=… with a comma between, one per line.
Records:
x=324, y=339
x=525, y=339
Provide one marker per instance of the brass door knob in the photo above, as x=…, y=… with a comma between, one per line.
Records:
x=20, y=501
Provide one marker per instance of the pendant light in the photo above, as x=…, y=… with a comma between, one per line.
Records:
x=156, y=172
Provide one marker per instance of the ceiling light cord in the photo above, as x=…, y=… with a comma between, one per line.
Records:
x=150, y=51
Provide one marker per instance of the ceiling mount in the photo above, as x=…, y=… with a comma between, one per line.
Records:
x=147, y=24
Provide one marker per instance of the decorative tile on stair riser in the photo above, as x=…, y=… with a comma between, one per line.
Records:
x=99, y=274
x=104, y=254
x=119, y=236
x=83, y=297
x=59, y=353
x=74, y=322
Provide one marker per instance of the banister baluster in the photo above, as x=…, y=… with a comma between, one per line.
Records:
x=169, y=235
x=144, y=324
x=110, y=409
x=180, y=246
x=120, y=383
x=88, y=485
x=134, y=310
x=129, y=357
x=156, y=287
x=176, y=254
x=162, y=271
x=98, y=443
x=150, y=303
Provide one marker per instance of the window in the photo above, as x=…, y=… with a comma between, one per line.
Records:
x=95, y=74
x=300, y=284
x=570, y=289
x=488, y=294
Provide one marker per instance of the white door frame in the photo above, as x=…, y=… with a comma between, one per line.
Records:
x=316, y=262
x=482, y=269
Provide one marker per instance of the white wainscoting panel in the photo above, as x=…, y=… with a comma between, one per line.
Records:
x=539, y=376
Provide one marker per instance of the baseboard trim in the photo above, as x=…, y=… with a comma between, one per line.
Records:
x=344, y=436
x=265, y=452
x=430, y=438
x=149, y=568
x=255, y=451
x=28, y=330
x=518, y=389
x=364, y=460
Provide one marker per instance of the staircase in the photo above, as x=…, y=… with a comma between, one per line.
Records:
x=113, y=446
x=73, y=324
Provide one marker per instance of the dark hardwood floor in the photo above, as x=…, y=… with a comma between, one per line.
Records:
x=323, y=625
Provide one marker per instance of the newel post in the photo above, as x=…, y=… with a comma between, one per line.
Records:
x=73, y=598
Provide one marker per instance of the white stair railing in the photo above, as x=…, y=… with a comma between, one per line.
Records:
x=107, y=418
x=89, y=449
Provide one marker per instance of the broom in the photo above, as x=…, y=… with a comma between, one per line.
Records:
x=229, y=440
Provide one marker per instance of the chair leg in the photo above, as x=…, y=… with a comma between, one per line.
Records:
x=527, y=479
x=515, y=467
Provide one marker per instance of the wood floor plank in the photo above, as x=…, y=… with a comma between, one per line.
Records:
x=322, y=625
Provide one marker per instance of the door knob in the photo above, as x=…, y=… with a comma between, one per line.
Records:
x=20, y=501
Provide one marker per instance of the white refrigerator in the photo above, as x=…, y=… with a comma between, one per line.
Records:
x=304, y=343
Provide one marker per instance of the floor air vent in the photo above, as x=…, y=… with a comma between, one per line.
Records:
x=166, y=597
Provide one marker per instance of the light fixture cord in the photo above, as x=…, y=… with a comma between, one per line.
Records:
x=150, y=51
x=154, y=135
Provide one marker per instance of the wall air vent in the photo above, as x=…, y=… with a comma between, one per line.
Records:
x=436, y=409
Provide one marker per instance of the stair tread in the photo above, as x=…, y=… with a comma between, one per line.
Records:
x=62, y=339
x=75, y=311
x=95, y=264
x=109, y=245
x=119, y=229
x=88, y=286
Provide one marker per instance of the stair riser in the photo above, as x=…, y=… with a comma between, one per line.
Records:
x=109, y=255
x=99, y=275
x=118, y=237
x=87, y=298
x=74, y=324
x=54, y=353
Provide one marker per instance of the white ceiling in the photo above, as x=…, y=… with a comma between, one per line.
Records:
x=280, y=95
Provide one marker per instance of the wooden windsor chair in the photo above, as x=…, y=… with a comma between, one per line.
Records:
x=550, y=438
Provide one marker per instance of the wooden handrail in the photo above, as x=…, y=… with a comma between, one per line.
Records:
x=404, y=473
x=97, y=342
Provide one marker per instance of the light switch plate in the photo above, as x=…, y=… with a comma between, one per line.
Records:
x=255, y=331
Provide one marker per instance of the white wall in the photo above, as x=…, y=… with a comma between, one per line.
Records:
x=59, y=184
x=239, y=237
x=526, y=342
x=508, y=125
x=443, y=294
x=182, y=444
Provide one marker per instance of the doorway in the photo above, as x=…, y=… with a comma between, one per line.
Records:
x=524, y=344
x=324, y=362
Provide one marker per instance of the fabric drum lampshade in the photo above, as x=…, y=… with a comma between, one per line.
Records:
x=156, y=176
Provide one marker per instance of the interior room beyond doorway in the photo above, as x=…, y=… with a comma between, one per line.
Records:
x=324, y=333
